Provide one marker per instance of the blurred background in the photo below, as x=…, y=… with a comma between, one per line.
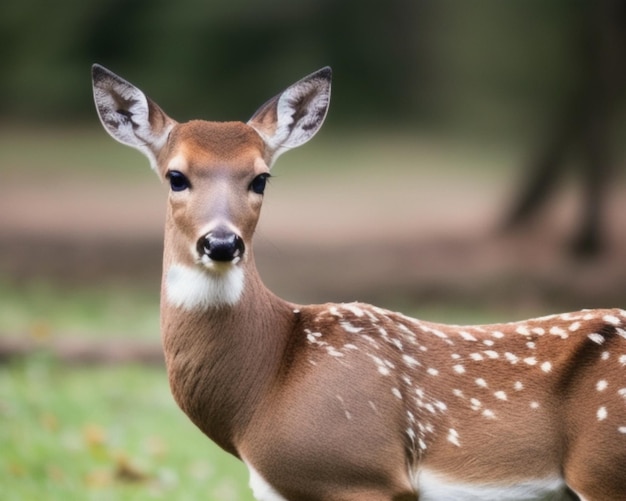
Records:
x=471, y=169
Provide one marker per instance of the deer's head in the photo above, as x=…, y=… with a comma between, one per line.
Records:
x=216, y=171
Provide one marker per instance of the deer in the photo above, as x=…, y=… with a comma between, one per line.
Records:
x=350, y=401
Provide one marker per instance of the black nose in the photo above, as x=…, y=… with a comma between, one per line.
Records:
x=221, y=245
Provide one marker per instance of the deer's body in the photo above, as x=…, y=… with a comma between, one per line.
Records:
x=349, y=401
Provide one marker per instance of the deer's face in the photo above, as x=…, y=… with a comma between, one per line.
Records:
x=217, y=175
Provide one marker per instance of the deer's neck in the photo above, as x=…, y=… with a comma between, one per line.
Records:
x=223, y=358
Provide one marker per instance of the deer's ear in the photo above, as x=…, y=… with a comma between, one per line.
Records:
x=128, y=115
x=295, y=115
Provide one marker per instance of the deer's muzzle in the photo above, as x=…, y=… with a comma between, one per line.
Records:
x=221, y=245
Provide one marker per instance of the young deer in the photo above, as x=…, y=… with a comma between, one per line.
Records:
x=350, y=401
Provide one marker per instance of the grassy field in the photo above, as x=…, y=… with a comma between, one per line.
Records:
x=104, y=433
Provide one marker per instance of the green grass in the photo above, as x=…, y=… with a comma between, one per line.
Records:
x=104, y=434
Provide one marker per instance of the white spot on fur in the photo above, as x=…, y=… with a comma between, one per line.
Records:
x=373, y=318
x=396, y=393
x=511, y=357
x=432, y=372
x=489, y=414
x=467, y=336
x=335, y=312
x=611, y=319
x=411, y=434
x=453, y=437
x=481, y=382
x=602, y=414
x=345, y=409
x=459, y=369
x=596, y=338
x=530, y=361
x=574, y=326
x=383, y=365
x=622, y=359
x=601, y=385
x=410, y=361
x=333, y=352
x=348, y=327
x=546, y=367
x=557, y=331
x=540, y=331
x=194, y=288
x=397, y=343
x=523, y=330
x=313, y=337
x=622, y=429
x=519, y=386
x=353, y=308
x=441, y=406
x=373, y=406
x=436, y=332
x=500, y=395
x=492, y=354
x=534, y=405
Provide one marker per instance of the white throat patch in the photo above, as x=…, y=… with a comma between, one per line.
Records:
x=191, y=288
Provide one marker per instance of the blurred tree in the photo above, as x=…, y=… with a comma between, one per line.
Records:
x=583, y=124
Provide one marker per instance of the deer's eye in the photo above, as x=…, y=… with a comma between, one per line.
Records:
x=178, y=181
x=258, y=183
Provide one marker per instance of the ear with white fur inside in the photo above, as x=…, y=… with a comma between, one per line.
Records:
x=128, y=115
x=294, y=116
